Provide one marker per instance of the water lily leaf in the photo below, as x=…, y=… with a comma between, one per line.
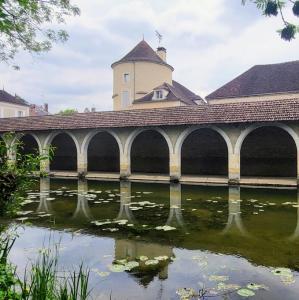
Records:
x=246, y=293
x=282, y=272
x=186, y=293
x=255, y=287
x=165, y=228
x=143, y=258
x=117, y=268
x=218, y=278
x=227, y=287
x=151, y=262
x=131, y=265
x=165, y=257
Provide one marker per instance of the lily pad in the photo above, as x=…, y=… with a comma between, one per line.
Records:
x=246, y=293
x=218, y=278
x=186, y=293
x=151, y=262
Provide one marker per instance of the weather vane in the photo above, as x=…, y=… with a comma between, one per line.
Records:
x=159, y=36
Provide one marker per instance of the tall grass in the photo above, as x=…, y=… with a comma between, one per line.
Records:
x=42, y=280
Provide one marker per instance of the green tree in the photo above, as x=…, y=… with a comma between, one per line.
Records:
x=24, y=25
x=68, y=112
x=274, y=8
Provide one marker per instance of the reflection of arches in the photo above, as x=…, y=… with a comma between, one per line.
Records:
x=82, y=210
x=268, y=150
x=234, y=212
x=295, y=235
x=149, y=151
x=125, y=212
x=175, y=216
x=66, y=148
x=44, y=205
x=101, y=150
x=199, y=138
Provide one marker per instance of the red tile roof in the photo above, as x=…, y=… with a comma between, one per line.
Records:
x=262, y=79
x=142, y=52
x=264, y=111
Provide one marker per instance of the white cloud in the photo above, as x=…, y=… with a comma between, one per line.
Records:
x=208, y=42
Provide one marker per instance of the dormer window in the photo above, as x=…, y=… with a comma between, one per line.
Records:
x=126, y=77
x=160, y=94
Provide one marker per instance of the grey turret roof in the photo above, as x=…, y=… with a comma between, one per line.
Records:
x=8, y=98
x=142, y=52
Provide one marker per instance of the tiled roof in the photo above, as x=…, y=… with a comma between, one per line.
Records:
x=176, y=92
x=262, y=79
x=246, y=112
x=6, y=97
x=142, y=52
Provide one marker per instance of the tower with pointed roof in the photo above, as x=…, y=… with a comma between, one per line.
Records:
x=143, y=79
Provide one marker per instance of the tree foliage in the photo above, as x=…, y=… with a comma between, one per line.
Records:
x=24, y=25
x=276, y=8
x=68, y=112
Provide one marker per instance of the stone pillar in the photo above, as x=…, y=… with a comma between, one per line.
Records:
x=44, y=205
x=125, y=212
x=175, y=167
x=234, y=168
x=82, y=163
x=175, y=214
x=11, y=156
x=45, y=163
x=125, y=166
x=82, y=211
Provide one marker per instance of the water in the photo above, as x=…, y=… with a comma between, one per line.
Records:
x=212, y=237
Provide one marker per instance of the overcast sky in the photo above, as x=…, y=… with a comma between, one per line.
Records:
x=209, y=42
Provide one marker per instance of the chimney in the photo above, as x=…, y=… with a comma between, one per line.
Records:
x=46, y=107
x=161, y=51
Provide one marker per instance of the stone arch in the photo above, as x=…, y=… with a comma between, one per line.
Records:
x=30, y=143
x=160, y=140
x=216, y=156
x=65, y=159
x=281, y=163
x=106, y=161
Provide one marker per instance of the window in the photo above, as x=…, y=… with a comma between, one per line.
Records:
x=126, y=77
x=158, y=95
x=125, y=99
x=20, y=113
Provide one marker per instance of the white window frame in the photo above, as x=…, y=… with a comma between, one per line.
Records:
x=125, y=104
x=20, y=113
x=126, y=77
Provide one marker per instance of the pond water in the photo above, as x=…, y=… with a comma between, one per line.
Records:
x=149, y=240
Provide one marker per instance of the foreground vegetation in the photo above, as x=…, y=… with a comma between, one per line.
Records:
x=42, y=280
x=16, y=175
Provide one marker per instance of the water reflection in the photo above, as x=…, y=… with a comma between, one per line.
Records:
x=125, y=212
x=82, y=211
x=44, y=204
x=295, y=235
x=234, y=223
x=175, y=217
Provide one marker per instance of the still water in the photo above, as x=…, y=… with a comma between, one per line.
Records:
x=149, y=240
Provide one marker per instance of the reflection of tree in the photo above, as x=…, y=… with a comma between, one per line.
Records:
x=295, y=235
x=44, y=205
x=125, y=212
x=175, y=213
x=234, y=212
x=131, y=250
x=82, y=210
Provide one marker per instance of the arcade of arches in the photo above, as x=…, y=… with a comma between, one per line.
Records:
x=265, y=151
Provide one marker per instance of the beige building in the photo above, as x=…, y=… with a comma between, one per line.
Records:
x=143, y=79
x=12, y=106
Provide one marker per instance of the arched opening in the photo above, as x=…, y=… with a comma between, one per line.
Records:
x=65, y=153
x=28, y=145
x=150, y=153
x=204, y=152
x=269, y=152
x=103, y=153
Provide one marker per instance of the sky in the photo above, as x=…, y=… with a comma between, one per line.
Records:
x=208, y=42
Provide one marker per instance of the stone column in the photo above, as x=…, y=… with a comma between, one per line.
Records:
x=82, y=163
x=11, y=156
x=125, y=212
x=234, y=168
x=45, y=163
x=82, y=210
x=44, y=205
x=175, y=167
x=125, y=166
x=175, y=214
